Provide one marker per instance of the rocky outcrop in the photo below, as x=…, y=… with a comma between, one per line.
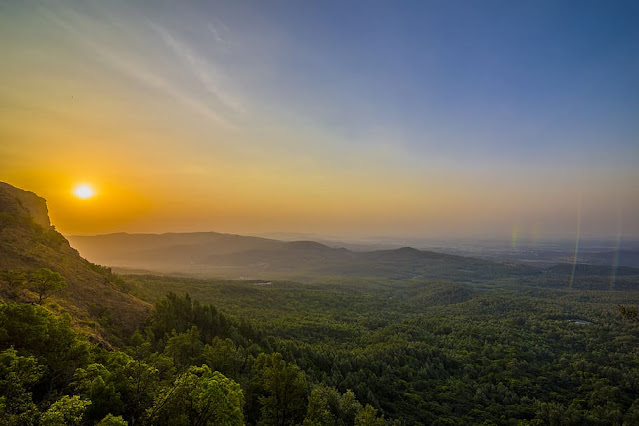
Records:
x=28, y=242
x=23, y=204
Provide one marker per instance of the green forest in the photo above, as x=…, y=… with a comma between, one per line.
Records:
x=341, y=352
x=467, y=342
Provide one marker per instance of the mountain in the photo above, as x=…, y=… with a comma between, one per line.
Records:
x=94, y=297
x=164, y=251
x=213, y=254
x=617, y=258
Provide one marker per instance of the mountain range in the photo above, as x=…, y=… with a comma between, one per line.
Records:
x=214, y=254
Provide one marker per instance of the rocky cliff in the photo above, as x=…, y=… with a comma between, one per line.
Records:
x=25, y=204
x=95, y=298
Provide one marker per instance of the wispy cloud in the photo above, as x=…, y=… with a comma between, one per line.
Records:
x=220, y=32
x=205, y=71
x=131, y=63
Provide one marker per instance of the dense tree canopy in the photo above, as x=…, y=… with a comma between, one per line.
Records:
x=452, y=356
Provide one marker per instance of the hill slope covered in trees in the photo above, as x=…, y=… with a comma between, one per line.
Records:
x=516, y=349
x=94, y=297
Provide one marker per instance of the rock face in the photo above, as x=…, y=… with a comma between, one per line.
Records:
x=19, y=203
x=28, y=242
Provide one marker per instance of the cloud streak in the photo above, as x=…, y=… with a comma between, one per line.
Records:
x=220, y=32
x=206, y=73
x=80, y=27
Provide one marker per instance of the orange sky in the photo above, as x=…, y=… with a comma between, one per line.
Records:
x=160, y=120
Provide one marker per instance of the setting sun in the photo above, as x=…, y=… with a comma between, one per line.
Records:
x=83, y=191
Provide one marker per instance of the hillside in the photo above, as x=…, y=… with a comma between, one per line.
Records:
x=148, y=250
x=94, y=297
x=620, y=258
x=387, y=338
x=235, y=256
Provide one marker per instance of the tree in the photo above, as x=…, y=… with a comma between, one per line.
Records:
x=141, y=377
x=185, y=348
x=326, y=406
x=630, y=313
x=368, y=417
x=44, y=282
x=318, y=411
x=284, y=390
x=68, y=410
x=98, y=384
x=17, y=375
x=199, y=397
x=111, y=420
x=349, y=407
x=222, y=355
x=33, y=330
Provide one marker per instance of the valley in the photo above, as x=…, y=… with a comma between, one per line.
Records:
x=389, y=336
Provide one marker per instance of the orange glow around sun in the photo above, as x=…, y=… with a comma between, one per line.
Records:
x=83, y=191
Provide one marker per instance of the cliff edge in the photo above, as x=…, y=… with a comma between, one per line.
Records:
x=95, y=298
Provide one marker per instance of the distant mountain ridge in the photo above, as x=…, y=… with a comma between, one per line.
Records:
x=123, y=249
x=236, y=256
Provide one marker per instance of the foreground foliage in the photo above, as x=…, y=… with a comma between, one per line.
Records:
x=50, y=375
x=348, y=353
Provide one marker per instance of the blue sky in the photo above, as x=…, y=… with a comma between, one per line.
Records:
x=424, y=117
x=517, y=78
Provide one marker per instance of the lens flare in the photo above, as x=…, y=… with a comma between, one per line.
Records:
x=615, y=258
x=513, y=237
x=577, y=238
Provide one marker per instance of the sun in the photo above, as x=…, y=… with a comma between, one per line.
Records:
x=83, y=191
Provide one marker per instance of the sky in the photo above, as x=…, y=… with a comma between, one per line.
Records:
x=345, y=118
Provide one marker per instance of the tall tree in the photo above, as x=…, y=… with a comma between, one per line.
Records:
x=44, y=282
x=199, y=397
x=284, y=391
x=17, y=375
x=66, y=411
